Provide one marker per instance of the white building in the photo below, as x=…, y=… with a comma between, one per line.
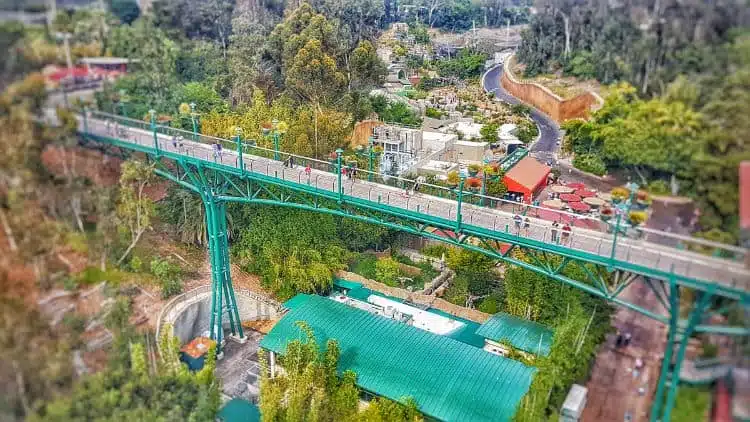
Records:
x=400, y=146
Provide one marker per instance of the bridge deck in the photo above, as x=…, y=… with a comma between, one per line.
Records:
x=638, y=255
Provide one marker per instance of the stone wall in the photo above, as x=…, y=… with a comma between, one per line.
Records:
x=548, y=102
x=194, y=319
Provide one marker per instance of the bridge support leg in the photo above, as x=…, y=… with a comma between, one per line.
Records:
x=223, y=300
x=678, y=338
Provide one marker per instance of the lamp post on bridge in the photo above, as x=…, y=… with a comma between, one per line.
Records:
x=370, y=154
x=624, y=201
x=193, y=119
x=238, y=132
x=339, y=152
x=123, y=101
x=152, y=113
x=276, y=132
x=460, y=198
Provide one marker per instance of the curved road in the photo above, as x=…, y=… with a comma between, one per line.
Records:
x=549, y=131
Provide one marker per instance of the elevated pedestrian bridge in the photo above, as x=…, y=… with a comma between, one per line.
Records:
x=588, y=241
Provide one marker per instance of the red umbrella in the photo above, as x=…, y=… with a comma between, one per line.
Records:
x=579, y=206
x=583, y=193
x=569, y=197
x=576, y=185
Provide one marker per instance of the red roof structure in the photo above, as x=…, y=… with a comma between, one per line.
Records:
x=570, y=197
x=579, y=206
x=527, y=177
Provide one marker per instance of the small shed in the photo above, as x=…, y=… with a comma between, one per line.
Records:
x=194, y=353
x=574, y=403
x=527, y=336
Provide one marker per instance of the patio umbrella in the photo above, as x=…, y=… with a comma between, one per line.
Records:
x=579, y=206
x=569, y=197
x=583, y=193
x=553, y=203
x=605, y=196
x=576, y=185
x=594, y=202
x=562, y=189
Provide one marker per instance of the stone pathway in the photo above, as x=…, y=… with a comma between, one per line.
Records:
x=239, y=369
x=614, y=382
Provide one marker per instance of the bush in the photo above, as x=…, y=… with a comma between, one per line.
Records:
x=659, y=187
x=387, y=271
x=436, y=251
x=527, y=131
x=433, y=113
x=590, y=163
x=94, y=275
x=168, y=275
x=364, y=265
x=136, y=264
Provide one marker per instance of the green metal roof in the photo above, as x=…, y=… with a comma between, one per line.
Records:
x=238, y=410
x=449, y=380
x=346, y=284
x=466, y=334
x=293, y=302
x=526, y=335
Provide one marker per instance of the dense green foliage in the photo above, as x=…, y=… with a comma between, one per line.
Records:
x=394, y=112
x=137, y=388
x=692, y=404
x=310, y=388
x=467, y=65
x=645, y=43
x=296, y=251
x=686, y=137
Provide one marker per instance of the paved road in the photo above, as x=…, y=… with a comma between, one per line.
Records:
x=548, y=129
x=595, y=242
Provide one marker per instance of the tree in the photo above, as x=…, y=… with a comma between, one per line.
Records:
x=134, y=209
x=489, y=132
x=366, y=67
x=141, y=390
x=314, y=76
x=125, y=10
x=387, y=271
x=310, y=388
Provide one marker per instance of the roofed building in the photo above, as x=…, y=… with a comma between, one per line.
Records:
x=450, y=380
x=527, y=336
x=527, y=178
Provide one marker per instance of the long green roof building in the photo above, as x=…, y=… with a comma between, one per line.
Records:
x=450, y=380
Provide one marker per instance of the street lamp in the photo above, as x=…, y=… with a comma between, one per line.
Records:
x=123, y=101
x=276, y=133
x=152, y=114
x=238, y=132
x=623, y=206
x=370, y=154
x=193, y=116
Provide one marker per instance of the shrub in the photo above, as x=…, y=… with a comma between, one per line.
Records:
x=637, y=217
x=659, y=187
x=620, y=193
x=436, y=251
x=590, y=163
x=433, y=113
x=136, y=265
x=453, y=178
x=474, y=168
x=387, y=271
x=168, y=275
x=473, y=183
x=364, y=265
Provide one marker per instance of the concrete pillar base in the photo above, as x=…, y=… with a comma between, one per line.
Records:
x=220, y=356
x=237, y=339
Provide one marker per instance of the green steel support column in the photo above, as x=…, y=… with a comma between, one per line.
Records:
x=229, y=297
x=152, y=112
x=693, y=320
x=371, y=160
x=674, y=317
x=238, y=130
x=614, y=240
x=215, y=325
x=459, y=200
x=338, y=172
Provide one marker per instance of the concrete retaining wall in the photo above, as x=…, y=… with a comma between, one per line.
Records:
x=548, y=102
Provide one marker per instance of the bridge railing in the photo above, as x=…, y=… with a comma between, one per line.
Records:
x=467, y=196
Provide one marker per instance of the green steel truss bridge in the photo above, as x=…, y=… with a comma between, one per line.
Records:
x=243, y=172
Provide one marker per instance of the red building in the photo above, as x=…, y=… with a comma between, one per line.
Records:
x=527, y=178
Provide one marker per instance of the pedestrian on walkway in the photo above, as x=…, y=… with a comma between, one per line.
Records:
x=555, y=226
x=291, y=161
x=215, y=148
x=526, y=225
x=618, y=342
x=566, y=233
x=419, y=182
x=626, y=340
x=517, y=219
